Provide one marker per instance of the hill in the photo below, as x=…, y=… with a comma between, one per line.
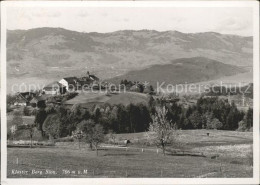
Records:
x=88, y=100
x=180, y=71
x=51, y=53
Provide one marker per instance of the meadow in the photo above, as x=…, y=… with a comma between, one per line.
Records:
x=89, y=99
x=234, y=151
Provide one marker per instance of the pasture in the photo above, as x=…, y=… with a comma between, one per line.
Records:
x=89, y=99
x=137, y=160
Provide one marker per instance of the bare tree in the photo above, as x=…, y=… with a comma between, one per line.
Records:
x=13, y=130
x=30, y=128
x=163, y=129
x=112, y=136
x=93, y=133
x=95, y=136
x=78, y=134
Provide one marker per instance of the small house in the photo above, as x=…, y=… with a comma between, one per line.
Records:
x=70, y=83
x=23, y=98
x=54, y=88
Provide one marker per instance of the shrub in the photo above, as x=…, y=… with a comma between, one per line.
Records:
x=214, y=124
x=242, y=126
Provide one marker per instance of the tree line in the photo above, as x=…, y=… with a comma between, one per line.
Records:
x=247, y=90
x=207, y=113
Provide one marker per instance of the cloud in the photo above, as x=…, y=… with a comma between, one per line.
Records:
x=189, y=20
x=233, y=24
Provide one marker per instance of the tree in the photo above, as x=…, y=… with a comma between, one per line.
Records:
x=51, y=126
x=96, y=136
x=50, y=109
x=97, y=114
x=30, y=128
x=151, y=101
x=163, y=128
x=249, y=118
x=207, y=119
x=94, y=133
x=214, y=124
x=247, y=121
x=242, y=126
x=39, y=119
x=195, y=119
x=13, y=130
x=78, y=134
x=112, y=136
x=85, y=126
x=151, y=89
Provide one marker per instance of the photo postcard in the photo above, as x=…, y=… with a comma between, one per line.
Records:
x=130, y=92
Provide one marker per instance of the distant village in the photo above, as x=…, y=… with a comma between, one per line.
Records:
x=69, y=87
x=58, y=92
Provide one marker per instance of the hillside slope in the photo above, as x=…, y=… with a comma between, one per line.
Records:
x=55, y=52
x=88, y=100
x=180, y=71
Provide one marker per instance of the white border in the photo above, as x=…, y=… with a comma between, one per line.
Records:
x=64, y=181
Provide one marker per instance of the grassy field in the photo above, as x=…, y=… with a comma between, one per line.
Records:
x=88, y=99
x=234, y=150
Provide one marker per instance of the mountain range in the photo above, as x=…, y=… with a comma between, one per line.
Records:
x=181, y=71
x=52, y=53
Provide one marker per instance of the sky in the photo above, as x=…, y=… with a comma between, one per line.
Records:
x=226, y=20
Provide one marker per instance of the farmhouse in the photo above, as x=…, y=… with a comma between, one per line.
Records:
x=74, y=83
x=54, y=88
x=88, y=80
x=70, y=83
x=23, y=99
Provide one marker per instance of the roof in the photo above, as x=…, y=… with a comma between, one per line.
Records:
x=53, y=85
x=71, y=80
x=26, y=96
x=26, y=93
x=93, y=77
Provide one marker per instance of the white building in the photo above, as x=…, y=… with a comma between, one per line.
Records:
x=70, y=83
x=54, y=88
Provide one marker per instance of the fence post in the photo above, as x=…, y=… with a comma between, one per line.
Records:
x=142, y=150
x=17, y=161
x=157, y=151
x=56, y=167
